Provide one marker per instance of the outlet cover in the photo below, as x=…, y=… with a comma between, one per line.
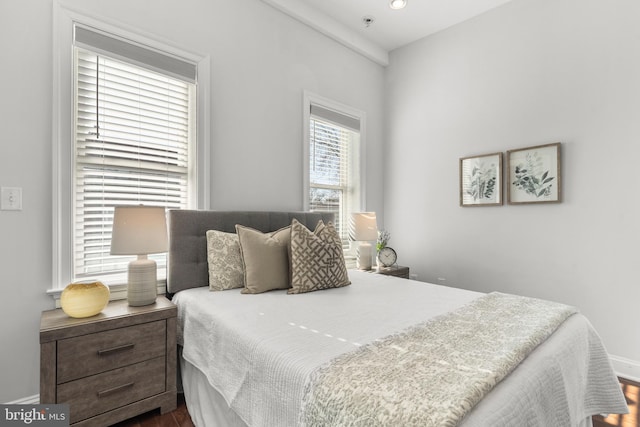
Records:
x=11, y=198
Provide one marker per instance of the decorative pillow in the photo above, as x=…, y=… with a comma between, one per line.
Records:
x=264, y=258
x=317, y=260
x=225, y=262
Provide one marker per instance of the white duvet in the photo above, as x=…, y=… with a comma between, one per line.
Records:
x=258, y=351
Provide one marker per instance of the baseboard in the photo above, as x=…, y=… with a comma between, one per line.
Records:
x=31, y=400
x=626, y=368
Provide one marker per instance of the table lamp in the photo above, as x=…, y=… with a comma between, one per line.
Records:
x=363, y=229
x=140, y=230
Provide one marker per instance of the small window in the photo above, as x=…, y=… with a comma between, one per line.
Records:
x=333, y=160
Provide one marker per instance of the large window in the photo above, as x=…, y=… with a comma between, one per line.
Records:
x=132, y=147
x=333, y=153
x=133, y=139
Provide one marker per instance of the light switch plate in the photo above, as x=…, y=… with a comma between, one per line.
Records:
x=11, y=198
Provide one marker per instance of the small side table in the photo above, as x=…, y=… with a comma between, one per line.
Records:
x=112, y=366
x=394, y=270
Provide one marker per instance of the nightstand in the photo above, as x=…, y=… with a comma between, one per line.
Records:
x=395, y=270
x=111, y=366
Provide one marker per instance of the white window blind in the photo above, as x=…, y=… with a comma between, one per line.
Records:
x=133, y=134
x=332, y=181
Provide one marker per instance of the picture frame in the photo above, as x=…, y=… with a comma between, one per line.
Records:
x=481, y=180
x=534, y=175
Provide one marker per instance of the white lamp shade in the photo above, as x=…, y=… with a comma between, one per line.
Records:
x=363, y=226
x=139, y=230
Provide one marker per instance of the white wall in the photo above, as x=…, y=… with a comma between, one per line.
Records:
x=261, y=61
x=527, y=73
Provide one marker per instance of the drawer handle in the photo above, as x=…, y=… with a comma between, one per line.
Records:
x=108, y=351
x=113, y=390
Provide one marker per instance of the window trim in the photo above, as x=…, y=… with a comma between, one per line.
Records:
x=62, y=130
x=310, y=98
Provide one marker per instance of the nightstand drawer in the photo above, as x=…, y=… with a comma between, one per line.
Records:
x=103, y=392
x=399, y=272
x=86, y=355
x=396, y=270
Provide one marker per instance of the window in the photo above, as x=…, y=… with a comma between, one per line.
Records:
x=132, y=146
x=332, y=157
x=129, y=130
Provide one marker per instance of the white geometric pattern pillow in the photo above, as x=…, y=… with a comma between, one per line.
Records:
x=317, y=260
x=225, y=262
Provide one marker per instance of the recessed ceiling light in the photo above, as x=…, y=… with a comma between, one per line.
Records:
x=397, y=4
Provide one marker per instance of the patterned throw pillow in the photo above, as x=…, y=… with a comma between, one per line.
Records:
x=265, y=259
x=225, y=263
x=317, y=261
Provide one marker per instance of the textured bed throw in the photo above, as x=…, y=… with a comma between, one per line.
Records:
x=432, y=374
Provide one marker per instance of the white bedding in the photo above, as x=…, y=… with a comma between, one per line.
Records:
x=258, y=351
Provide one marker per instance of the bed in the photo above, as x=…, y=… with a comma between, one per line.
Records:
x=380, y=351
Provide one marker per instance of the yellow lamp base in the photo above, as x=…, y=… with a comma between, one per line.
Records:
x=84, y=299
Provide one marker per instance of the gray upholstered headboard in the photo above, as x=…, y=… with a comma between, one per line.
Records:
x=187, y=258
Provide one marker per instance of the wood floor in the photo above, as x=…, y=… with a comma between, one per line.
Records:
x=632, y=419
x=180, y=417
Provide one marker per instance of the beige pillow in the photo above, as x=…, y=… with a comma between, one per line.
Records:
x=264, y=258
x=225, y=261
x=317, y=260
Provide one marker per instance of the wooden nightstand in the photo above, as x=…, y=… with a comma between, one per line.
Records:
x=111, y=366
x=395, y=270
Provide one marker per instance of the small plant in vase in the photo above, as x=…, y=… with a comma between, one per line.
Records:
x=383, y=238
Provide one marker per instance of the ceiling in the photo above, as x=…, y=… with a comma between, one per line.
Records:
x=390, y=29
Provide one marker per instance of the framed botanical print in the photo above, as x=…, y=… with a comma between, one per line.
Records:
x=534, y=174
x=481, y=180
